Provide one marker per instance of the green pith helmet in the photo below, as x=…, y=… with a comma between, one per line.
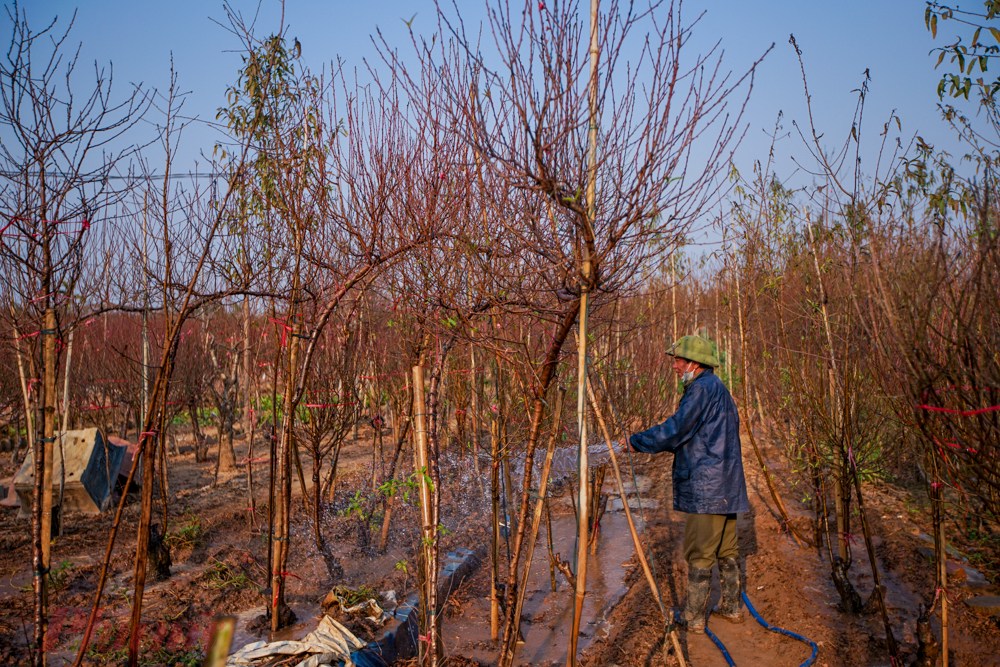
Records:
x=694, y=348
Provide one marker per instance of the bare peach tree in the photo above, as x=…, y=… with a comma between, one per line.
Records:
x=59, y=154
x=659, y=131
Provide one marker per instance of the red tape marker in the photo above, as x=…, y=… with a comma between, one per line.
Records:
x=963, y=413
x=958, y=447
x=326, y=405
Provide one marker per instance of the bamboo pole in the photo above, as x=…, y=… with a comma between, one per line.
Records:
x=48, y=336
x=474, y=419
x=427, y=529
x=548, y=535
x=495, y=529
x=586, y=275
x=64, y=426
x=671, y=631
x=536, y=520
x=25, y=392
x=582, y=504
x=36, y=546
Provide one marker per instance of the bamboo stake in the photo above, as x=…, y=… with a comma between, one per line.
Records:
x=474, y=420
x=427, y=529
x=25, y=392
x=585, y=285
x=62, y=431
x=548, y=534
x=36, y=547
x=495, y=529
x=48, y=336
x=640, y=552
x=536, y=520
x=582, y=504
x=248, y=415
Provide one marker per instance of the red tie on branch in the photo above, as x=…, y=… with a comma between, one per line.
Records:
x=963, y=413
x=848, y=537
x=954, y=446
x=284, y=331
x=326, y=405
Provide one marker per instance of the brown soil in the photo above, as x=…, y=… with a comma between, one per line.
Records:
x=223, y=571
x=219, y=560
x=792, y=588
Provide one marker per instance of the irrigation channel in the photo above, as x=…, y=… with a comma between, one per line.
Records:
x=547, y=614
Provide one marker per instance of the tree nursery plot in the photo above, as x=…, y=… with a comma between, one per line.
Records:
x=427, y=371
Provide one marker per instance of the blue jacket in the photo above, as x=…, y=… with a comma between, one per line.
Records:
x=704, y=437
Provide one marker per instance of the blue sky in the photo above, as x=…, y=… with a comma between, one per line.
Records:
x=840, y=40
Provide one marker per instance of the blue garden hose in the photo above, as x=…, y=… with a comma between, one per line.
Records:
x=767, y=626
x=722, y=647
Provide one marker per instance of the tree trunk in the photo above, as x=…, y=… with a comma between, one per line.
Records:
x=227, y=457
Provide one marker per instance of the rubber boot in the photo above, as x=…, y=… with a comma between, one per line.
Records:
x=699, y=586
x=730, y=606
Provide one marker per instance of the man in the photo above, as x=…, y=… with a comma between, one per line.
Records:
x=704, y=437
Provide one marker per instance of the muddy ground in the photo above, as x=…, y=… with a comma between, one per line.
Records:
x=791, y=587
x=220, y=562
x=219, y=559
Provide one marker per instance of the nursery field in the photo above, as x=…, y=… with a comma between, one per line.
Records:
x=371, y=384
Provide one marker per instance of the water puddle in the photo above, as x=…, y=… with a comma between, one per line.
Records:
x=548, y=615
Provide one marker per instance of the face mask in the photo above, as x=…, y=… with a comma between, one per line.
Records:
x=687, y=377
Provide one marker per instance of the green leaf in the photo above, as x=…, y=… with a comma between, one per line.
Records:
x=996, y=34
x=934, y=26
